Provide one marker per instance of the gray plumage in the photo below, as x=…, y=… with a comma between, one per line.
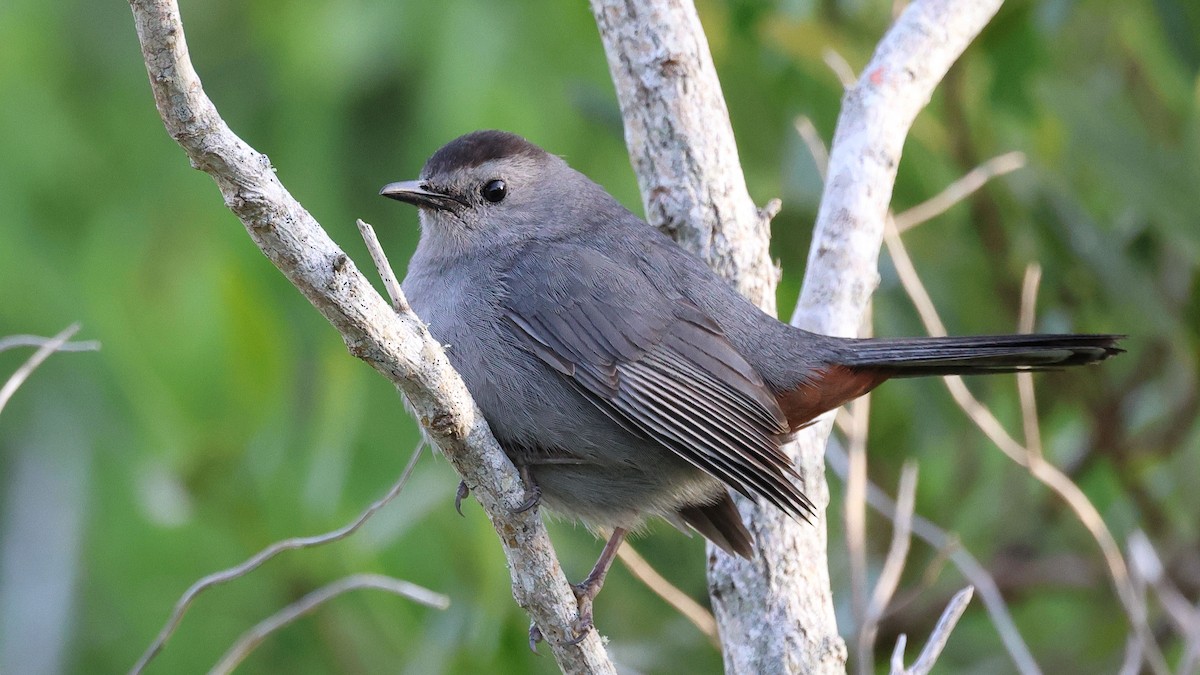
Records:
x=616, y=367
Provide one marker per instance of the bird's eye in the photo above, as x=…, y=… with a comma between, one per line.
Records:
x=494, y=191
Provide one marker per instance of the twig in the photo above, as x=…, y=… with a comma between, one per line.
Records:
x=257, y=560
x=941, y=634
x=893, y=566
x=14, y=341
x=816, y=147
x=26, y=369
x=261, y=631
x=1029, y=416
x=691, y=610
x=971, y=569
x=396, y=344
x=386, y=274
x=959, y=190
x=1043, y=471
x=840, y=67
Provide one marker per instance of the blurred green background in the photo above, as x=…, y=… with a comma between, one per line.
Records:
x=223, y=413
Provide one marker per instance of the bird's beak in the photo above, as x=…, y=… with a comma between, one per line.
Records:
x=415, y=192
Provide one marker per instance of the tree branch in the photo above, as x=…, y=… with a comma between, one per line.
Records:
x=394, y=343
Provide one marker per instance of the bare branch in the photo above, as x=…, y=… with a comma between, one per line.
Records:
x=941, y=632
x=257, y=560
x=386, y=274
x=816, y=146
x=1025, y=321
x=691, y=610
x=840, y=67
x=305, y=605
x=395, y=344
x=26, y=369
x=959, y=190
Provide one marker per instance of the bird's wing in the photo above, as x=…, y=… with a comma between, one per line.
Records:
x=655, y=364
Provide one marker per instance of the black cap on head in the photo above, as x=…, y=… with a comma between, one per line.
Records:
x=476, y=148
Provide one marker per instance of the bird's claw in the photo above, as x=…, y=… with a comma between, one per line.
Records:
x=532, y=498
x=533, y=493
x=585, y=593
x=460, y=494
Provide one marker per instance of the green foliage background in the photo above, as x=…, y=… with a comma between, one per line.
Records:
x=223, y=413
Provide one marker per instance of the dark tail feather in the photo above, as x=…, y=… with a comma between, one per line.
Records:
x=721, y=524
x=977, y=355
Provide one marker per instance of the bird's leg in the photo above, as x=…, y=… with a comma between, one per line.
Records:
x=460, y=494
x=586, y=590
x=533, y=493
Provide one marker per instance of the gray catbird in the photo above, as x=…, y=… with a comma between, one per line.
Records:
x=620, y=374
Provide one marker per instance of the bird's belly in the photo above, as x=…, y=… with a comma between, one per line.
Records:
x=586, y=466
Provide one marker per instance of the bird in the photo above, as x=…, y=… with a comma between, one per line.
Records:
x=622, y=377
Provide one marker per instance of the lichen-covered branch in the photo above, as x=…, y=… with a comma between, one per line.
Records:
x=394, y=343
x=775, y=612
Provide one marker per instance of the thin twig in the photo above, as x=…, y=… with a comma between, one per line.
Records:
x=840, y=67
x=255, y=561
x=691, y=610
x=893, y=566
x=971, y=569
x=816, y=147
x=941, y=632
x=261, y=631
x=386, y=274
x=1029, y=417
x=13, y=341
x=896, y=667
x=22, y=373
x=959, y=190
x=1043, y=471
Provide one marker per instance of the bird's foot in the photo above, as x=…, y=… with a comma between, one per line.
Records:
x=533, y=493
x=585, y=593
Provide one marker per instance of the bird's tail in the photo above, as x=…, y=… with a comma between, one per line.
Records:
x=976, y=355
